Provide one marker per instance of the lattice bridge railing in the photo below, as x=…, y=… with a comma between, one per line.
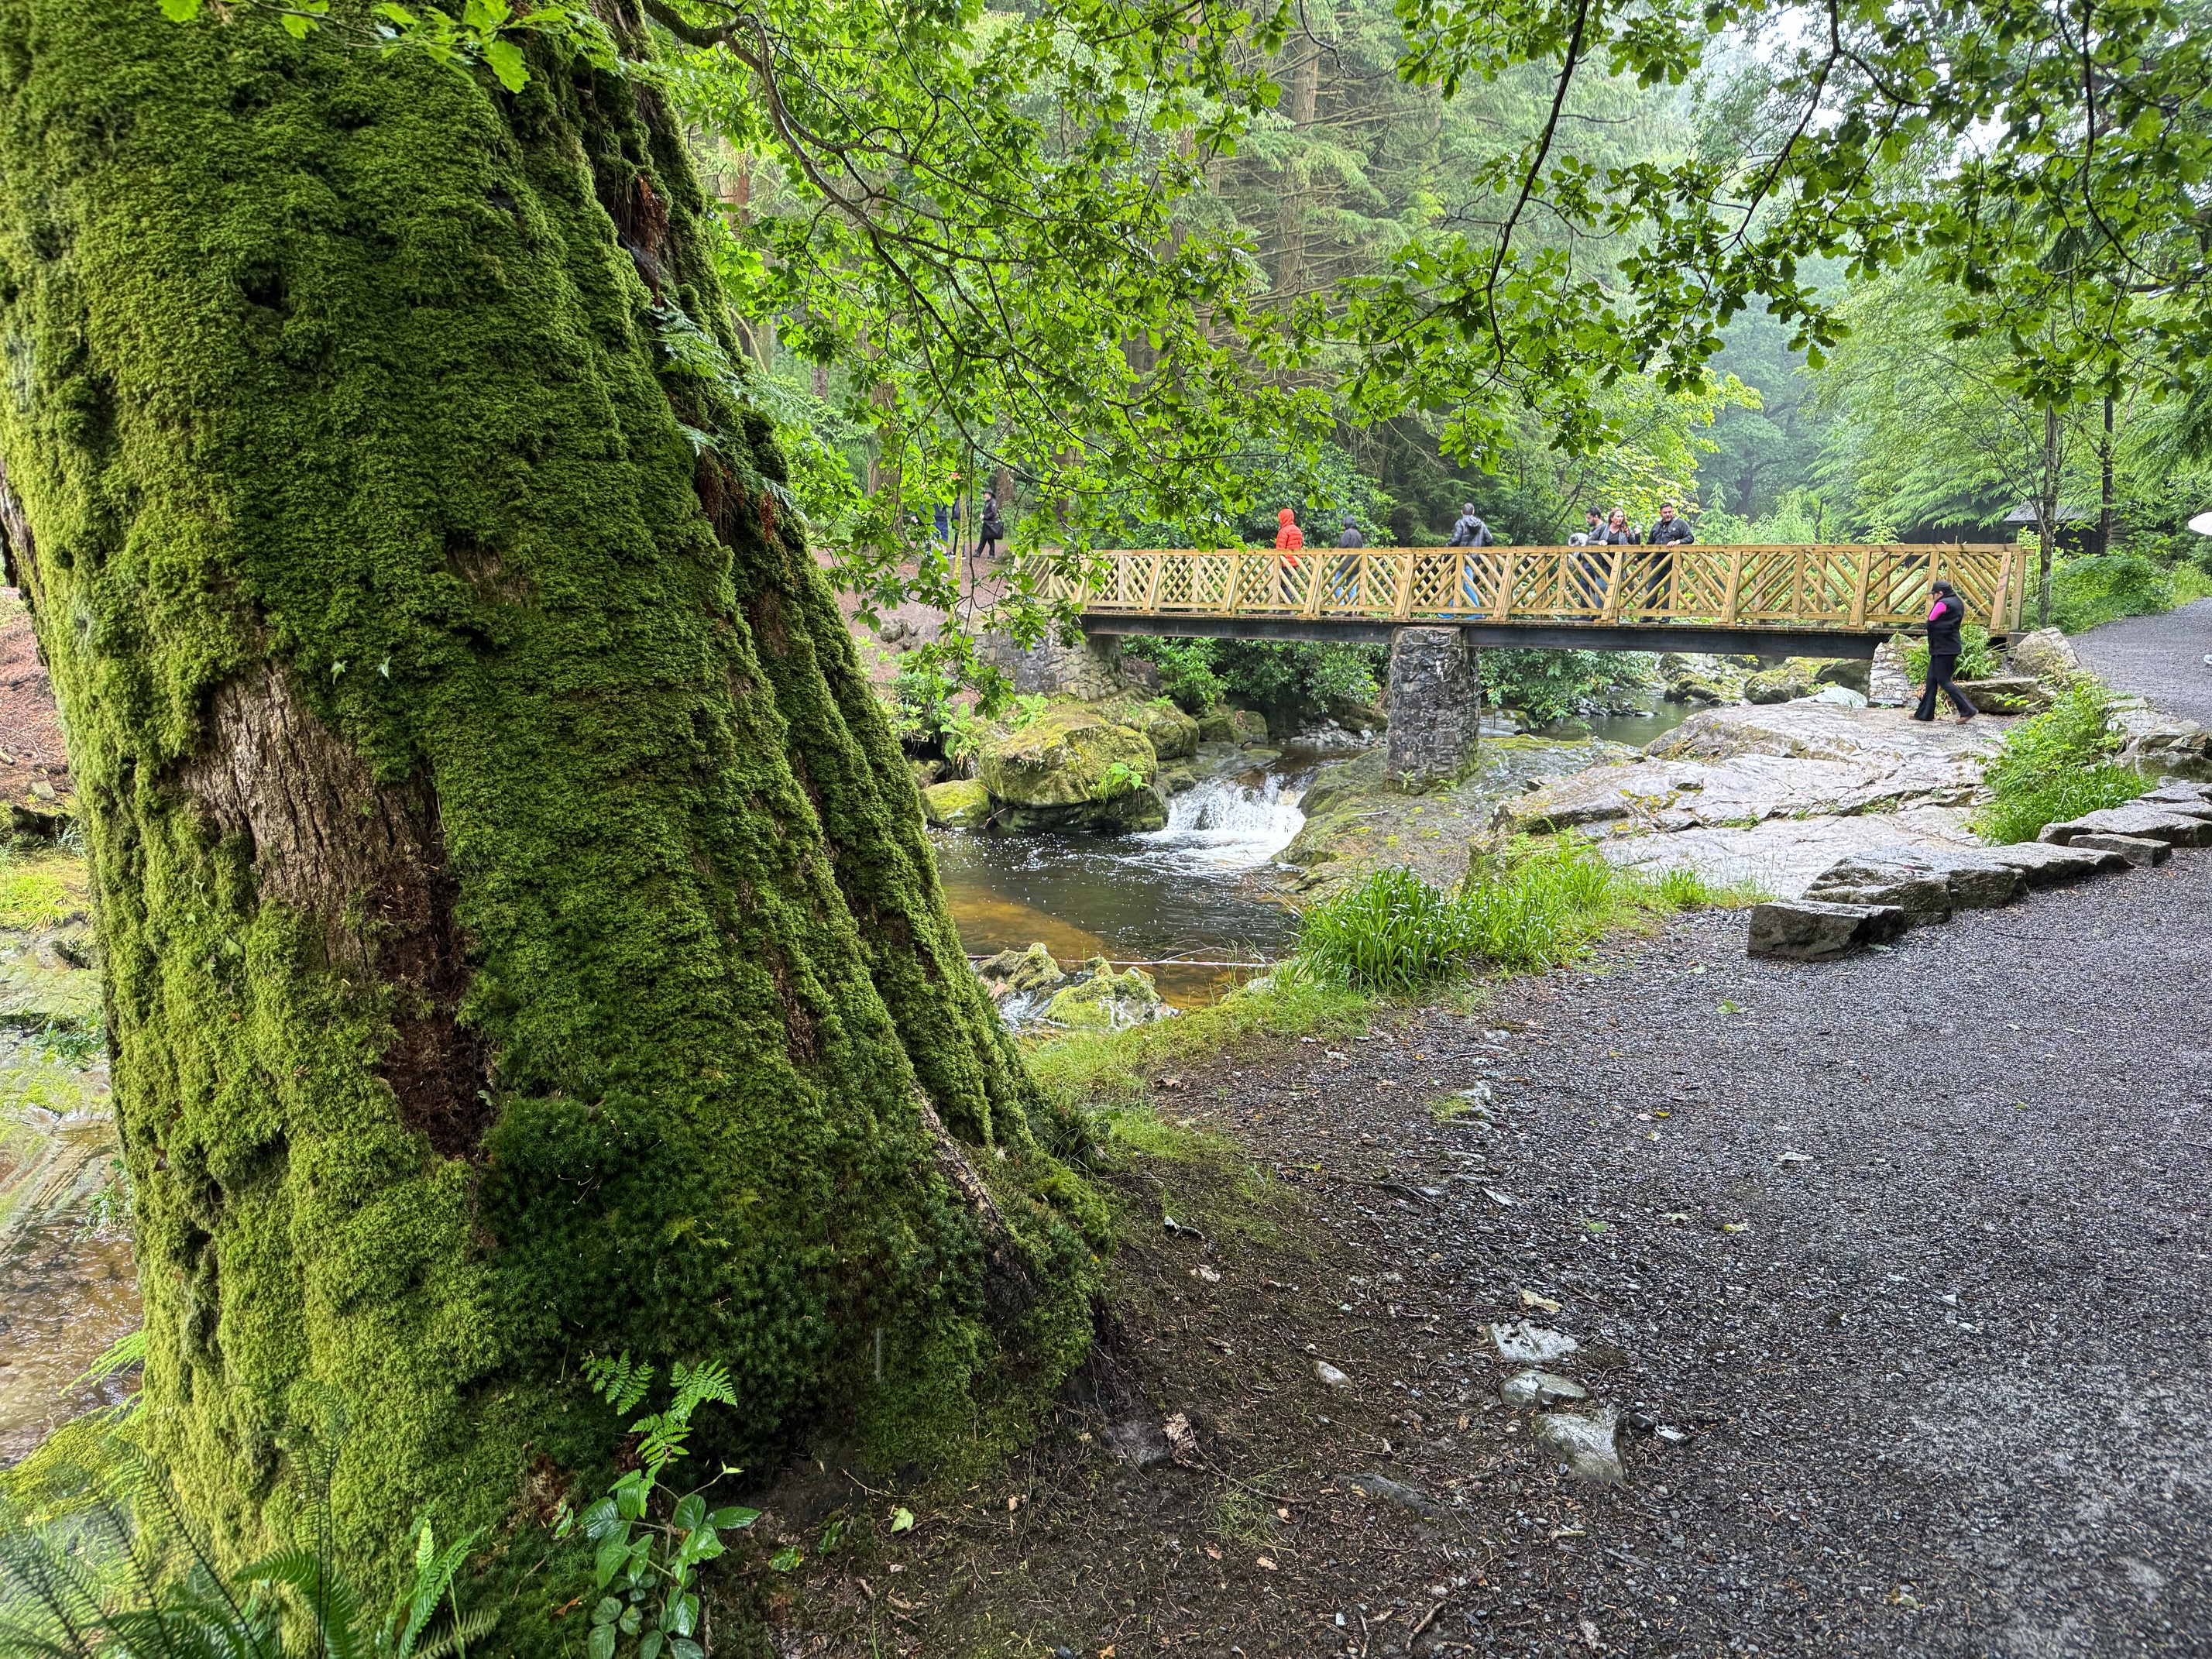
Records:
x=1856, y=589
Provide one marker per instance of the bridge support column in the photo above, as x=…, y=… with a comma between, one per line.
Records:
x=1435, y=706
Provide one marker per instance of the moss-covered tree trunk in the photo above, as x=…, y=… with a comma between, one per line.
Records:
x=520, y=938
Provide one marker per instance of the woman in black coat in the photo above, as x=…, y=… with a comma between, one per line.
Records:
x=1944, y=617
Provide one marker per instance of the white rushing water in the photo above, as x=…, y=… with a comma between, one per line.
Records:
x=1226, y=823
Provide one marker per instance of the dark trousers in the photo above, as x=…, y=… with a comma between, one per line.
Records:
x=1939, y=679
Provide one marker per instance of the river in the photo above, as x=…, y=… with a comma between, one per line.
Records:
x=1203, y=888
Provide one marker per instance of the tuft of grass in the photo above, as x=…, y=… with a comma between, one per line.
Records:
x=1531, y=907
x=40, y=891
x=1244, y=1517
x=2055, y=767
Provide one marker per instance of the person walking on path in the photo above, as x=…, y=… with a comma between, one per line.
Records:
x=1290, y=540
x=990, y=528
x=1944, y=617
x=1346, y=583
x=1469, y=532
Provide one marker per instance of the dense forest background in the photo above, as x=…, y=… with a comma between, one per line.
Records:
x=1902, y=431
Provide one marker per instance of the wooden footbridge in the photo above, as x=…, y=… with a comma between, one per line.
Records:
x=1834, y=601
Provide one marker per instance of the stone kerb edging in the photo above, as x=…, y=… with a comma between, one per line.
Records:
x=1870, y=898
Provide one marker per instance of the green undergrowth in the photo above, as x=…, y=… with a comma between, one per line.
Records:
x=2055, y=767
x=1977, y=658
x=1114, y=1069
x=1529, y=907
x=2088, y=591
x=41, y=888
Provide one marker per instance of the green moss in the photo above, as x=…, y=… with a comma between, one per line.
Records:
x=339, y=406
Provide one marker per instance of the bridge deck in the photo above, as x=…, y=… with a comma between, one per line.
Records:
x=1837, y=599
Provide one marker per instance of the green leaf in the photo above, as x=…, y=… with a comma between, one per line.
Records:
x=607, y=1611
x=785, y=1559
x=689, y=1511
x=631, y=1620
x=612, y=1553
x=506, y=60
x=682, y=1649
x=733, y=1517
x=902, y=1520
x=180, y=11
x=648, y=1646
x=296, y=26
x=602, y=1642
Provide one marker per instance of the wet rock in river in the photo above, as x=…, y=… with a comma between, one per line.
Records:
x=964, y=803
x=1104, y=1000
x=1071, y=765
x=1011, y=972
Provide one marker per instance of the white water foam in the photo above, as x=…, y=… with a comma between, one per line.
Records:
x=1224, y=824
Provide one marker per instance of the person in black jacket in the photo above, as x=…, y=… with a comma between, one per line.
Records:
x=1668, y=532
x=990, y=529
x=1944, y=617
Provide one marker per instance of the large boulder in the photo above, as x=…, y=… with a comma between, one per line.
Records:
x=1069, y=755
x=2157, y=746
x=1813, y=930
x=964, y=803
x=1784, y=684
x=2044, y=655
x=1104, y=1000
x=1172, y=733
x=1249, y=727
x=2012, y=694
x=1854, y=673
x=1217, y=726
x=1905, y=876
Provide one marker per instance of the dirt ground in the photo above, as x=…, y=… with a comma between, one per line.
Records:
x=1893, y=1268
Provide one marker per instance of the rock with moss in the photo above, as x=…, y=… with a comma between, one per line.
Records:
x=1217, y=726
x=963, y=803
x=1773, y=685
x=1173, y=734
x=1074, y=767
x=1104, y=1000
x=1012, y=973
x=1249, y=728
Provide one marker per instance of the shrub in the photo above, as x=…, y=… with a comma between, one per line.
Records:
x=2055, y=767
x=1187, y=672
x=1546, y=685
x=2088, y=592
x=1976, y=659
x=1394, y=934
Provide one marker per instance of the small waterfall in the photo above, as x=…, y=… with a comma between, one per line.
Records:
x=1228, y=823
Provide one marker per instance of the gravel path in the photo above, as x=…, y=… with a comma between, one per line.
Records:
x=1945, y=1389
x=2161, y=658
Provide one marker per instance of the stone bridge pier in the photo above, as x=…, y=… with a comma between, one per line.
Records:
x=1435, y=704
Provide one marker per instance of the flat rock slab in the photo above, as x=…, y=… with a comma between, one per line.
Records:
x=1901, y=875
x=2138, y=850
x=1540, y=1388
x=1784, y=856
x=1520, y=1343
x=1814, y=930
x=2175, y=828
x=2046, y=864
x=1588, y=1446
x=2179, y=795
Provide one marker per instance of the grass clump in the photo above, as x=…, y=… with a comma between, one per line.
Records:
x=2054, y=767
x=1110, y=1068
x=1528, y=908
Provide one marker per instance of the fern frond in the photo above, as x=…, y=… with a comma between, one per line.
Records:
x=618, y=1382
x=472, y=1629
